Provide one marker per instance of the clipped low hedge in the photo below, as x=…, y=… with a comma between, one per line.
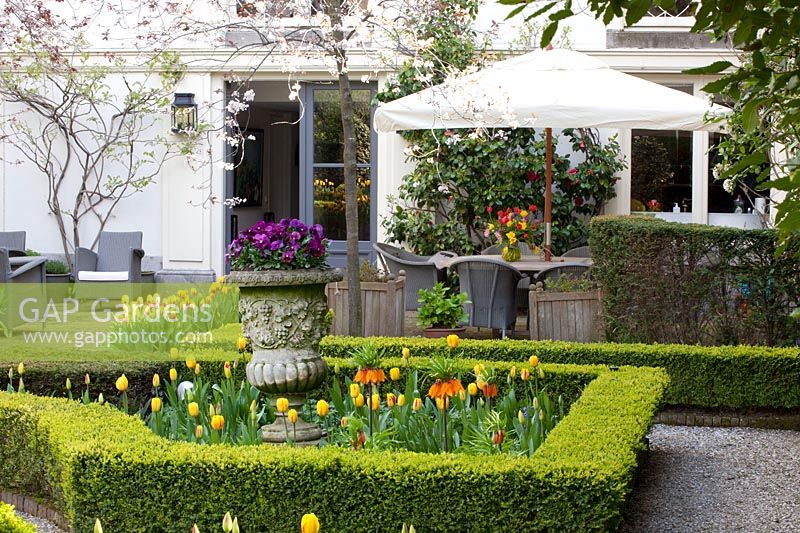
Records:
x=93, y=461
x=11, y=523
x=737, y=377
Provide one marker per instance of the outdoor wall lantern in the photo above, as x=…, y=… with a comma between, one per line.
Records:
x=184, y=113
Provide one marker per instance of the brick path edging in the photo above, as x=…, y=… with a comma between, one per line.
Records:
x=29, y=505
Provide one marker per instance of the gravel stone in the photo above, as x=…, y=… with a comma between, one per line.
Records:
x=42, y=525
x=717, y=479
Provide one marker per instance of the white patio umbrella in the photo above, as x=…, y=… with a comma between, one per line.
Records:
x=549, y=89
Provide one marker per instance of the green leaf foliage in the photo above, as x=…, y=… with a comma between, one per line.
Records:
x=11, y=523
x=92, y=461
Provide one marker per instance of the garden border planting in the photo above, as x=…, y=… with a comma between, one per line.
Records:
x=93, y=461
x=11, y=523
x=736, y=377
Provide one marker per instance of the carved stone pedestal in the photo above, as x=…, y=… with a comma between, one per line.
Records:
x=283, y=315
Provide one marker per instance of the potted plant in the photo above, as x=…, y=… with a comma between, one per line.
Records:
x=567, y=308
x=441, y=312
x=281, y=271
x=383, y=299
x=57, y=272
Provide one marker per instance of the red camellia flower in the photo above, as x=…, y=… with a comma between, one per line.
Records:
x=578, y=201
x=573, y=171
x=534, y=176
x=590, y=171
x=489, y=209
x=532, y=208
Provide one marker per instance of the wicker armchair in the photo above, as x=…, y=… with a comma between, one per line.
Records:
x=421, y=273
x=580, y=251
x=14, y=242
x=571, y=270
x=524, y=284
x=491, y=288
x=118, y=258
x=32, y=274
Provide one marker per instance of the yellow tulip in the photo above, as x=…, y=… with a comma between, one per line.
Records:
x=241, y=344
x=100, y=399
x=292, y=416
x=217, y=422
x=198, y=432
x=191, y=362
x=417, y=404
x=309, y=523
x=322, y=408
x=98, y=527
x=282, y=405
x=391, y=400
x=194, y=409
x=524, y=374
x=472, y=388
x=452, y=341
x=401, y=400
x=533, y=361
x=355, y=390
x=68, y=384
x=156, y=381
x=235, y=528
x=406, y=353
x=520, y=417
x=155, y=404
x=87, y=380
x=462, y=395
x=478, y=369
x=211, y=410
x=122, y=383
x=375, y=402
x=21, y=369
x=359, y=400
x=197, y=369
x=394, y=373
x=173, y=374
x=227, y=370
x=440, y=404
x=195, y=529
x=513, y=372
x=227, y=523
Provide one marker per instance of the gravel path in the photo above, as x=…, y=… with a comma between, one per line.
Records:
x=718, y=479
x=44, y=526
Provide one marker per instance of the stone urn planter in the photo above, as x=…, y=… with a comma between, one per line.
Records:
x=283, y=316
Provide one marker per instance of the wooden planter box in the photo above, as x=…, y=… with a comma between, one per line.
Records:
x=565, y=316
x=383, y=306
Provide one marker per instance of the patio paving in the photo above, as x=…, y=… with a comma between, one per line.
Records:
x=718, y=479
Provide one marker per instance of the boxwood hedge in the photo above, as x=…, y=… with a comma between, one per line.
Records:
x=11, y=523
x=737, y=377
x=93, y=461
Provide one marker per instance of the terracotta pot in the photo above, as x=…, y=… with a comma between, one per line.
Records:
x=440, y=333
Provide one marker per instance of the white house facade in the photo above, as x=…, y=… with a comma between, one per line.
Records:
x=295, y=162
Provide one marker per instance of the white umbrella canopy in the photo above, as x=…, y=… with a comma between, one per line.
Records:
x=549, y=89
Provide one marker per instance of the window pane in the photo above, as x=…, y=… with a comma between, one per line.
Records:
x=661, y=170
x=328, y=146
x=329, y=202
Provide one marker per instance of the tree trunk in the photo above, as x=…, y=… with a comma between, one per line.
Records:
x=356, y=326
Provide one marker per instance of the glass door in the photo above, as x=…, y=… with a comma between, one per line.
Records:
x=323, y=166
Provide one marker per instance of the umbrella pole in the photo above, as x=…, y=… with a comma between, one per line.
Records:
x=548, y=191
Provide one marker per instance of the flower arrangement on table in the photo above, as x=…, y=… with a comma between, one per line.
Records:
x=512, y=226
x=288, y=244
